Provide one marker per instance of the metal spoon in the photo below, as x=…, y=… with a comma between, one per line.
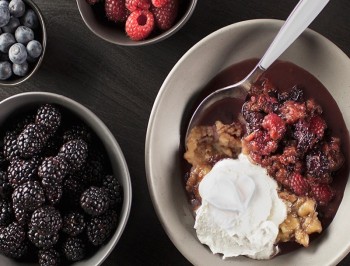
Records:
x=300, y=18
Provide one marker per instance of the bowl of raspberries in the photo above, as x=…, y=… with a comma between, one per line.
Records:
x=22, y=40
x=65, y=191
x=135, y=22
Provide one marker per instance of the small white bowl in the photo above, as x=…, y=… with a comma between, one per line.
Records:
x=229, y=45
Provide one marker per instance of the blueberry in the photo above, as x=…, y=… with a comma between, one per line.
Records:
x=11, y=26
x=6, y=40
x=4, y=15
x=34, y=49
x=20, y=69
x=5, y=70
x=17, y=8
x=30, y=19
x=24, y=34
x=18, y=53
x=4, y=3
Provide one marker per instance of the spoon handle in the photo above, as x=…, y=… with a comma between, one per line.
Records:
x=300, y=18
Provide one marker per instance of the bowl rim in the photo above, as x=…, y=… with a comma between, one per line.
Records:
x=20, y=80
x=73, y=106
x=177, y=26
x=155, y=110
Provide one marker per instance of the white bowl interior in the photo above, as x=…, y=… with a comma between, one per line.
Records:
x=22, y=101
x=194, y=70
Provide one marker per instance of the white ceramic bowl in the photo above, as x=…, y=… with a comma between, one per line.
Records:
x=23, y=101
x=229, y=45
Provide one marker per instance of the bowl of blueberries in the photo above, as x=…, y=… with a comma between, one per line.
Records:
x=22, y=41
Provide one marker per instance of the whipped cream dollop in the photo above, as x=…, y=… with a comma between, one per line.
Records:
x=241, y=211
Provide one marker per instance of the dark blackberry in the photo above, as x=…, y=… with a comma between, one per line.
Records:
x=21, y=171
x=46, y=219
x=31, y=140
x=10, y=145
x=48, y=116
x=52, y=170
x=5, y=187
x=73, y=223
x=100, y=228
x=74, y=249
x=77, y=131
x=49, y=257
x=94, y=200
x=26, y=198
x=53, y=193
x=11, y=237
x=42, y=240
x=75, y=153
x=18, y=252
x=6, y=212
x=114, y=189
x=72, y=190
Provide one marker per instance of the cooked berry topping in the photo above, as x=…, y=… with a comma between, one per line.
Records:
x=49, y=257
x=32, y=140
x=75, y=153
x=52, y=170
x=46, y=219
x=5, y=187
x=42, y=240
x=79, y=131
x=21, y=171
x=10, y=145
x=73, y=223
x=11, y=237
x=74, y=249
x=49, y=117
x=6, y=212
x=100, y=228
x=94, y=200
x=114, y=190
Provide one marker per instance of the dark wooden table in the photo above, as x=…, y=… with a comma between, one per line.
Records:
x=119, y=84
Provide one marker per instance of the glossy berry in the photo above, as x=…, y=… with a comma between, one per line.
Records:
x=5, y=70
x=34, y=49
x=17, y=8
x=77, y=131
x=100, y=228
x=46, y=219
x=42, y=240
x=18, y=53
x=133, y=5
x=95, y=201
x=298, y=184
x=32, y=140
x=74, y=249
x=73, y=223
x=10, y=145
x=19, y=252
x=159, y=3
x=114, y=190
x=49, y=257
x=11, y=237
x=24, y=34
x=6, y=41
x=4, y=15
x=139, y=25
x=49, y=116
x=11, y=26
x=75, y=153
x=20, y=171
x=165, y=16
x=52, y=170
x=115, y=10
x=30, y=19
x=20, y=69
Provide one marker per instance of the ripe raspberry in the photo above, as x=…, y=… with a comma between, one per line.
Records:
x=274, y=125
x=165, y=16
x=322, y=193
x=159, y=3
x=139, y=25
x=317, y=126
x=133, y=5
x=298, y=184
x=116, y=10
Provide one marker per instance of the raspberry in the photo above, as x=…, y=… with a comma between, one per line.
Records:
x=139, y=25
x=317, y=126
x=165, y=16
x=159, y=3
x=274, y=125
x=322, y=193
x=298, y=184
x=133, y=5
x=292, y=111
x=116, y=10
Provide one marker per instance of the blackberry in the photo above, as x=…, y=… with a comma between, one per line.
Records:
x=53, y=193
x=94, y=200
x=11, y=237
x=75, y=153
x=46, y=219
x=6, y=212
x=21, y=171
x=73, y=223
x=26, y=198
x=114, y=190
x=49, y=117
x=5, y=187
x=10, y=145
x=74, y=249
x=49, y=257
x=31, y=140
x=42, y=240
x=18, y=252
x=77, y=131
x=100, y=228
x=52, y=170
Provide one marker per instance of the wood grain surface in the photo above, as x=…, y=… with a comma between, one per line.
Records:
x=119, y=84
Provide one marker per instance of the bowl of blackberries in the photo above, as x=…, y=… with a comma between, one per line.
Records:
x=65, y=191
x=22, y=40
x=135, y=22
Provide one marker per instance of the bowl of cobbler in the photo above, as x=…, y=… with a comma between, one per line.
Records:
x=262, y=181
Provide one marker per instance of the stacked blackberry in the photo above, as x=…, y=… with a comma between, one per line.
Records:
x=57, y=194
